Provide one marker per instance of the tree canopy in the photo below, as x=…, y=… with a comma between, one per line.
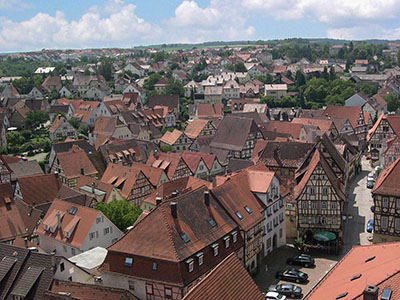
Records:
x=120, y=212
x=35, y=117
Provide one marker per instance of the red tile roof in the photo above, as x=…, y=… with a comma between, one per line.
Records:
x=208, y=110
x=388, y=181
x=153, y=174
x=384, y=263
x=84, y=219
x=65, y=290
x=229, y=280
x=324, y=125
x=100, y=185
x=166, y=161
x=122, y=177
x=182, y=185
x=352, y=113
x=170, y=138
x=158, y=235
x=73, y=161
x=192, y=159
x=286, y=127
x=39, y=189
x=11, y=223
x=194, y=128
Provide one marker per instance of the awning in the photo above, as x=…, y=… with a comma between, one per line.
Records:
x=324, y=236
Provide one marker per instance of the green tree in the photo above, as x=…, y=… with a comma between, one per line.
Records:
x=83, y=129
x=35, y=117
x=174, y=87
x=105, y=68
x=300, y=78
x=151, y=81
x=120, y=213
x=166, y=148
x=240, y=67
x=14, y=138
x=26, y=134
x=393, y=102
x=74, y=123
x=332, y=75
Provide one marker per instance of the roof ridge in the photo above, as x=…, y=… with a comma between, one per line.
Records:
x=169, y=232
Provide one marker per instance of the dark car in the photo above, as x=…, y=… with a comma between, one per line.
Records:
x=292, y=274
x=286, y=289
x=301, y=260
x=370, y=226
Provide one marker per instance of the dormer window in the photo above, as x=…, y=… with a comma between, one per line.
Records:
x=154, y=266
x=128, y=262
x=190, y=263
x=200, y=257
x=226, y=240
x=234, y=236
x=215, y=248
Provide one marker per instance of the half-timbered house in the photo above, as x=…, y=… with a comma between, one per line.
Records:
x=384, y=129
x=171, y=163
x=386, y=195
x=319, y=199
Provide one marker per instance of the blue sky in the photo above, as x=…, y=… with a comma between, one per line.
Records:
x=33, y=25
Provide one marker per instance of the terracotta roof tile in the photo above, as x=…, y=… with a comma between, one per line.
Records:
x=84, y=291
x=351, y=113
x=285, y=127
x=170, y=138
x=39, y=189
x=194, y=128
x=86, y=215
x=388, y=181
x=384, y=263
x=73, y=161
x=226, y=281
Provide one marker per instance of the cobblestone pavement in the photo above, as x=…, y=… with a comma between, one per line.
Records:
x=357, y=212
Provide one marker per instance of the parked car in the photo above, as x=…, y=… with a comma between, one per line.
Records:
x=370, y=225
x=292, y=274
x=371, y=176
x=286, y=289
x=301, y=260
x=274, y=296
x=370, y=184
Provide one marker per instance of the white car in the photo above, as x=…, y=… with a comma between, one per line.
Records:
x=371, y=177
x=274, y=296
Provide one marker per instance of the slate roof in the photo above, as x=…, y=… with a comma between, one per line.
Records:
x=172, y=101
x=28, y=273
x=232, y=133
x=25, y=168
x=227, y=280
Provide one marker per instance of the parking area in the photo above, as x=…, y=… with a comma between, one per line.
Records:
x=276, y=261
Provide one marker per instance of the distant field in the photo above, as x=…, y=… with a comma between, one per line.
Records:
x=169, y=49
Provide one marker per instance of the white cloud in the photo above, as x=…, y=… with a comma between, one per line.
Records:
x=332, y=11
x=96, y=28
x=220, y=20
x=13, y=5
x=364, y=32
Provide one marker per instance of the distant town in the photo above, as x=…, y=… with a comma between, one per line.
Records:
x=217, y=171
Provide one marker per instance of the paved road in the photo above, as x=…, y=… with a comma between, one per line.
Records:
x=357, y=211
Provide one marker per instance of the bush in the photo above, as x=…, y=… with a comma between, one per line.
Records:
x=166, y=149
x=46, y=146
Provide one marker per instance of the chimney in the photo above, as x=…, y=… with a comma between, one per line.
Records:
x=370, y=292
x=174, y=213
x=158, y=201
x=207, y=198
x=82, y=171
x=155, y=154
x=93, y=187
x=56, y=174
x=58, y=215
x=26, y=242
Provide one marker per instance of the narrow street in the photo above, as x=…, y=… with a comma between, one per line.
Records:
x=357, y=210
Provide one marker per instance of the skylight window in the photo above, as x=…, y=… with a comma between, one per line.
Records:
x=73, y=210
x=185, y=237
x=369, y=259
x=342, y=295
x=355, y=277
x=239, y=215
x=248, y=210
x=212, y=222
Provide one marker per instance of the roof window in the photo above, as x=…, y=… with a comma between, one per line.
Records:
x=248, y=210
x=73, y=210
x=185, y=237
x=128, y=262
x=369, y=259
x=342, y=295
x=355, y=277
x=212, y=222
x=239, y=215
